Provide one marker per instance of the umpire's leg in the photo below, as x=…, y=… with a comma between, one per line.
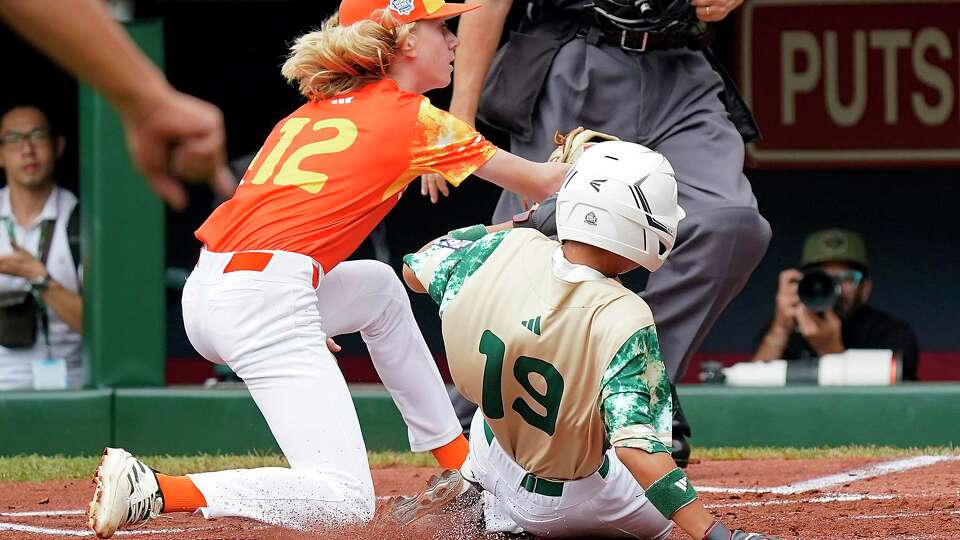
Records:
x=723, y=237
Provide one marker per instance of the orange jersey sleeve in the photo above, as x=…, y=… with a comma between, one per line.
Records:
x=331, y=171
x=446, y=145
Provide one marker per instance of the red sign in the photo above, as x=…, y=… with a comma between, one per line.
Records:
x=852, y=82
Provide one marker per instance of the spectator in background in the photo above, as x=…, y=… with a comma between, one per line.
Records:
x=797, y=332
x=42, y=313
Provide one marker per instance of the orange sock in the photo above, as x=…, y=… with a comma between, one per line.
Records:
x=453, y=454
x=180, y=494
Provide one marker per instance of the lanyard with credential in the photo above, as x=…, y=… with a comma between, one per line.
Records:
x=41, y=305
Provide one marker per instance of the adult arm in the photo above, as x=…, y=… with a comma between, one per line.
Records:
x=168, y=133
x=67, y=304
x=786, y=305
x=479, y=32
x=714, y=10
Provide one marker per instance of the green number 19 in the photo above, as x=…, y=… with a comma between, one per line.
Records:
x=492, y=399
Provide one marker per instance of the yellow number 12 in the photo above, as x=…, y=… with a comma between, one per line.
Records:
x=290, y=173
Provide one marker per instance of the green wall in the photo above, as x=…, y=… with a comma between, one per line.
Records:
x=123, y=243
x=187, y=421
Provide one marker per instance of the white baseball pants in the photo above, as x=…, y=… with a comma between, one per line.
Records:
x=270, y=327
x=607, y=507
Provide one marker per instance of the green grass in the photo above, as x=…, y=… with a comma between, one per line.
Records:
x=34, y=468
x=767, y=452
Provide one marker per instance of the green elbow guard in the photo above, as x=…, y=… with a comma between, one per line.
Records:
x=471, y=233
x=671, y=492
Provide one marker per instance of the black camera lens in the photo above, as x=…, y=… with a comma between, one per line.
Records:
x=818, y=290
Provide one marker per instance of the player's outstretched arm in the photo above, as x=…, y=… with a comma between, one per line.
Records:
x=459, y=239
x=670, y=491
x=413, y=283
x=170, y=134
x=651, y=471
x=528, y=178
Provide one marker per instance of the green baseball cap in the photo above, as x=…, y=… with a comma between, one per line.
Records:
x=838, y=245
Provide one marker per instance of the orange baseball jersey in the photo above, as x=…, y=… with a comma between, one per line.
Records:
x=329, y=172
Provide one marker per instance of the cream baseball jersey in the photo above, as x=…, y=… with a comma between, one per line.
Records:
x=561, y=368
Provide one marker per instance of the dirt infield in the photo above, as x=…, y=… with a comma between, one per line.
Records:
x=827, y=499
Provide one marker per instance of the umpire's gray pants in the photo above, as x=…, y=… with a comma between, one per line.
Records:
x=668, y=101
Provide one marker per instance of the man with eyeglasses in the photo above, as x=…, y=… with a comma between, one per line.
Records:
x=797, y=332
x=41, y=309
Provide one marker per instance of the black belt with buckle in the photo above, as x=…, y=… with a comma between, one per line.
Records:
x=629, y=40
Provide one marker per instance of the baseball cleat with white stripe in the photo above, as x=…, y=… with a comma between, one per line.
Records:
x=126, y=495
x=444, y=493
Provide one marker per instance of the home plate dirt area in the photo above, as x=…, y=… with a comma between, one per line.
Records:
x=912, y=498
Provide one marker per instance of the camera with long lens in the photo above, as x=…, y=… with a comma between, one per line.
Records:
x=818, y=290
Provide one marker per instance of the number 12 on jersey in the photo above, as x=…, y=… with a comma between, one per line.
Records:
x=494, y=349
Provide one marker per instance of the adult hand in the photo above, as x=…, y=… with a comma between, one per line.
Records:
x=21, y=263
x=332, y=345
x=178, y=137
x=822, y=332
x=714, y=10
x=787, y=300
x=433, y=184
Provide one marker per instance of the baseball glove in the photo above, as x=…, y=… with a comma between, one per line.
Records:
x=569, y=149
x=571, y=146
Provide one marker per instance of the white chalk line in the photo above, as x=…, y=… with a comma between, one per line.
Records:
x=837, y=497
x=918, y=537
x=69, y=532
x=48, y=513
x=908, y=514
x=871, y=471
x=55, y=513
x=854, y=475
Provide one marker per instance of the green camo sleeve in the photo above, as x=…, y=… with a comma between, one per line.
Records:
x=635, y=395
x=444, y=266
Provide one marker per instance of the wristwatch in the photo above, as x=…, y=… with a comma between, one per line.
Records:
x=41, y=283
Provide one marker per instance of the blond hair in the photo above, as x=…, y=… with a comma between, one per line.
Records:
x=337, y=59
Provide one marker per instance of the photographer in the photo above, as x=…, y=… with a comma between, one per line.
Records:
x=822, y=307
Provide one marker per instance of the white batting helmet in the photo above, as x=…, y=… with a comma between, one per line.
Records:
x=621, y=197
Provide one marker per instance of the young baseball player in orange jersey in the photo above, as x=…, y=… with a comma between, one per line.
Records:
x=270, y=285
x=572, y=438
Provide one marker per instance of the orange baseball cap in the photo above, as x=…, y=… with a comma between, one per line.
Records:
x=405, y=11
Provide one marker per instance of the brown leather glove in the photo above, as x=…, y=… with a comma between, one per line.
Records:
x=571, y=146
